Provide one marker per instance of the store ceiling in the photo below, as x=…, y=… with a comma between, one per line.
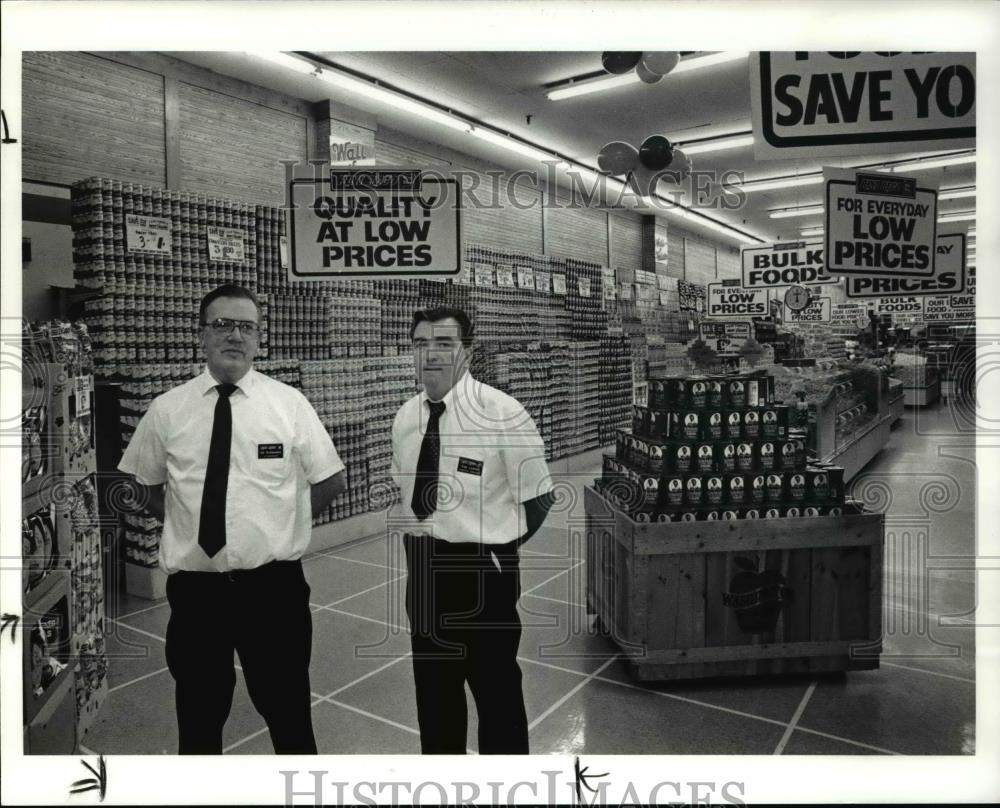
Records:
x=501, y=89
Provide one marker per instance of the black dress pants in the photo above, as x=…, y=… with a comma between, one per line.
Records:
x=464, y=627
x=261, y=614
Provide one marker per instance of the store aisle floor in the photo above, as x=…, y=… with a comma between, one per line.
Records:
x=580, y=697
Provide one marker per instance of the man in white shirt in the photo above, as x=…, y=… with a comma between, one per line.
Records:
x=475, y=486
x=235, y=464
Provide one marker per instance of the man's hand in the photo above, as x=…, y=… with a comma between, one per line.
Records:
x=325, y=491
x=535, y=510
x=150, y=497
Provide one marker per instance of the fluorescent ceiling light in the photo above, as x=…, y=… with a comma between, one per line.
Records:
x=956, y=193
x=961, y=216
x=717, y=144
x=603, y=83
x=805, y=210
x=775, y=184
x=285, y=60
x=814, y=179
x=511, y=144
x=811, y=231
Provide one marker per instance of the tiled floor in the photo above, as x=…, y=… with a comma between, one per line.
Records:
x=579, y=695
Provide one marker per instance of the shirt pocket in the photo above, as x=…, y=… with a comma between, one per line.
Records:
x=467, y=470
x=269, y=460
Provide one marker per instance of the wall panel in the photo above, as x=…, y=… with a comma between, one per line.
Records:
x=85, y=117
x=625, y=231
x=231, y=148
x=699, y=261
x=577, y=232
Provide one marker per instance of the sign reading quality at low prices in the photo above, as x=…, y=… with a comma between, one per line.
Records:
x=736, y=302
x=847, y=102
x=374, y=223
x=879, y=224
x=818, y=311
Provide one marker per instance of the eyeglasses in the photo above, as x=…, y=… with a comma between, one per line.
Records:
x=224, y=326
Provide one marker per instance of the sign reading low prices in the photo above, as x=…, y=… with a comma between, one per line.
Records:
x=148, y=234
x=226, y=244
x=784, y=264
x=365, y=223
x=949, y=275
x=818, y=311
x=810, y=103
x=879, y=224
x=726, y=301
x=949, y=307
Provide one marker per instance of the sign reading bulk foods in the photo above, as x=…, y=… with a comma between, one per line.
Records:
x=948, y=277
x=899, y=305
x=818, y=311
x=949, y=307
x=879, y=224
x=726, y=301
x=808, y=104
x=364, y=223
x=784, y=264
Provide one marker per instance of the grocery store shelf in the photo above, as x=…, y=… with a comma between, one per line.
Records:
x=858, y=452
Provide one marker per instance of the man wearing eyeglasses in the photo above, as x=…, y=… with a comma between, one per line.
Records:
x=236, y=465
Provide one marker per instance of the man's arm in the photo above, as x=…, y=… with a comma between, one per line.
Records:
x=324, y=492
x=149, y=498
x=535, y=511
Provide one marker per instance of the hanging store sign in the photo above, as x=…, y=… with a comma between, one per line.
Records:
x=725, y=334
x=818, y=311
x=899, y=305
x=879, y=224
x=365, y=223
x=949, y=307
x=849, y=315
x=226, y=244
x=811, y=103
x=948, y=277
x=784, y=264
x=150, y=235
x=735, y=301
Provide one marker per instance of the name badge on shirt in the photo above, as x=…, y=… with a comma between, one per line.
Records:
x=270, y=451
x=467, y=465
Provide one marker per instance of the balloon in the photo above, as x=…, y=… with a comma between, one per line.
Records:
x=679, y=168
x=647, y=76
x=660, y=63
x=619, y=62
x=617, y=157
x=645, y=180
x=655, y=152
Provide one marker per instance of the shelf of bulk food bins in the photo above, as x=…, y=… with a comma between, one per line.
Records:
x=662, y=592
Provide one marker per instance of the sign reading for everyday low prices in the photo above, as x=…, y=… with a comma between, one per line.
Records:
x=949, y=307
x=148, y=234
x=811, y=103
x=735, y=301
x=879, y=224
x=226, y=244
x=366, y=222
x=818, y=311
x=949, y=275
x=784, y=264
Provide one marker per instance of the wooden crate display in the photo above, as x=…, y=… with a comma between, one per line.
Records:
x=736, y=598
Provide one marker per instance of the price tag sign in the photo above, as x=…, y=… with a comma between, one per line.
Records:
x=505, y=275
x=283, y=251
x=484, y=275
x=82, y=395
x=543, y=281
x=626, y=292
x=148, y=234
x=583, y=284
x=559, y=284
x=609, y=290
x=664, y=298
x=226, y=244
x=466, y=276
x=525, y=278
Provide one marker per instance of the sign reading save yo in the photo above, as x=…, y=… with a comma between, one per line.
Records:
x=879, y=224
x=374, y=223
x=735, y=301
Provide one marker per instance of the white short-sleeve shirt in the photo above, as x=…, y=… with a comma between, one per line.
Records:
x=492, y=461
x=279, y=449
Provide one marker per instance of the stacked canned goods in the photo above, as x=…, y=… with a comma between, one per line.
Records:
x=717, y=448
x=615, y=387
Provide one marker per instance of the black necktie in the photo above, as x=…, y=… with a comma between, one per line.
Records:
x=212, y=525
x=425, y=486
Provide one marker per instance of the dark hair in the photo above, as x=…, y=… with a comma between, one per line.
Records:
x=439, y=313
x=226, y=290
